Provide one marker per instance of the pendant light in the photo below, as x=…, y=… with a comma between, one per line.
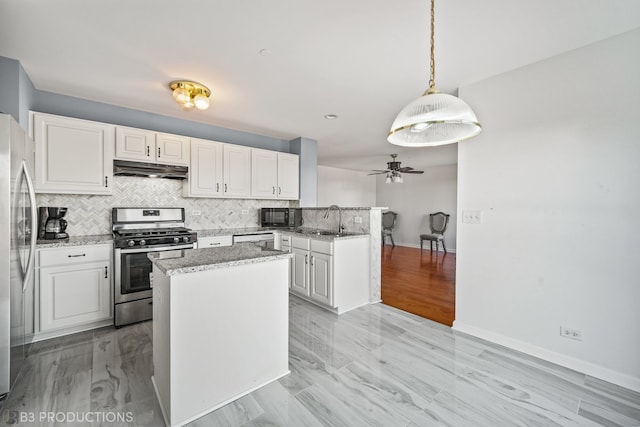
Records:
x=435, y=118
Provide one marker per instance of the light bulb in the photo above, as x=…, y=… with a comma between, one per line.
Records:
x=181, y=95
x=187, y=106
x=419, y=127
x=388, y=180
x=201, y=101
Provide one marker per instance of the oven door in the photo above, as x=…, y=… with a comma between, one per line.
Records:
x=133, y=271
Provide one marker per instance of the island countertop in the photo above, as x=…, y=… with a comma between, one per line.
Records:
x=194, y=260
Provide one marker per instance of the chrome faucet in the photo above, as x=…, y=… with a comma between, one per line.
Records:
x=326, y=215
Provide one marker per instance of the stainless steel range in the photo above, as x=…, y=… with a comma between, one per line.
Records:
x=136, y=232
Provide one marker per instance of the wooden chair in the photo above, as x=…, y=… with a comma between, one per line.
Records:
x=438, y=223
x=388, y=222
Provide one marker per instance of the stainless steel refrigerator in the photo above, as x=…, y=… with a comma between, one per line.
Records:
x=18, y=220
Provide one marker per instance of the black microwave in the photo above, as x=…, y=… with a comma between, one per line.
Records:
x=280, y=217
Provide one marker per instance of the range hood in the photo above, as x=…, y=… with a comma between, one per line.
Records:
x=151, y=170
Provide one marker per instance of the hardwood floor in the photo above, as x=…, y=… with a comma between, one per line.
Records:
x=420, y=282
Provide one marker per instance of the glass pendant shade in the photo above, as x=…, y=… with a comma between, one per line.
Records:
x=181, y=95
x=434, y=119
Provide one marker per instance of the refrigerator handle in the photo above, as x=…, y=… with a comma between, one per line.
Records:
x=34, y=226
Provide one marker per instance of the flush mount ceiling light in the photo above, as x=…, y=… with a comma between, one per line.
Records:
x=435, y=118
x=190, y=94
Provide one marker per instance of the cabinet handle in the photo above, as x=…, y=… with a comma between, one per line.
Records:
x=148, y=151
x=158, y=152
x=217, y=187
x=106, y=273
x=106, y=181
x=273, y=190
x=214, y=244
x=75, y=256
x=279, y=191
x=311, y=260
x=225, y=188
x=305, y=259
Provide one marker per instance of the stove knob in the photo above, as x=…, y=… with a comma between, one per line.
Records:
x=176, y=240
x=131, y=243
x=142, y=242
x=185, y=239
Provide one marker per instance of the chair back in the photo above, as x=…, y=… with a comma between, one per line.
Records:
x=389, y=220
x=438, y=222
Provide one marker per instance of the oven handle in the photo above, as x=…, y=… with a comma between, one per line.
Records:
x=155, y=249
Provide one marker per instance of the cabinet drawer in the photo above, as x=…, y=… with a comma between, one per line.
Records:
x=300, y=242
x=322, y=246
x=74, y=254
x=208, y=242
x=286, y=240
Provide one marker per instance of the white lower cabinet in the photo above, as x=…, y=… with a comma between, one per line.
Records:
x=333, y=274
x=214, y=241
x=74, y=286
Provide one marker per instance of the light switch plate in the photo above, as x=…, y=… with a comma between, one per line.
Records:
x=472, y=217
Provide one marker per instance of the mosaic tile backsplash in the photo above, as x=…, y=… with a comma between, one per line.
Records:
x=88, y=214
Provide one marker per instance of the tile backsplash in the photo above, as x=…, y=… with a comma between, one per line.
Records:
x=88, y=214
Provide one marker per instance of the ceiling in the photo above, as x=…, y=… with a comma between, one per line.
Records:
x=362, y=60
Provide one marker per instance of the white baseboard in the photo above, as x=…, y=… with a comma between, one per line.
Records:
x=588, y=368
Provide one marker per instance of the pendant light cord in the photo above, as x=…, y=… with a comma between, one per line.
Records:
x=432, y=76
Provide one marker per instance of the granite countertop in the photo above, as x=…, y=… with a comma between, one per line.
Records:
x=96, y=239
x=194, y=260
x=300, y=231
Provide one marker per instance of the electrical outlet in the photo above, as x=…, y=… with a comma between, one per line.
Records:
x=472, y=217
x=358, y=220
x=574, y=334
x=245, y=211
x=196, y=213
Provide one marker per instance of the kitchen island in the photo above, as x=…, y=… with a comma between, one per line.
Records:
x=220, y=326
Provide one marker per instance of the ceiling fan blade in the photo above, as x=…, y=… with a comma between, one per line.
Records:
x=413, y=171
x=380, y=170
x=405, y=169
x=377, y=173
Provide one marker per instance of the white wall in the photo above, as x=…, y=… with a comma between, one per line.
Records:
x=416, y=198
x=556, y=174
x=345, y=187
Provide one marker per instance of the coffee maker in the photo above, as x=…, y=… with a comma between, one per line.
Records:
x=51, y=224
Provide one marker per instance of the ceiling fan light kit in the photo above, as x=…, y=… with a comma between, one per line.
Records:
x=435, y=118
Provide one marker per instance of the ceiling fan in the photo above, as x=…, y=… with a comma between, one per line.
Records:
x=394, y=170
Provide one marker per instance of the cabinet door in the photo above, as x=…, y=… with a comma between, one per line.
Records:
x=300, y=272
x=237, y=170
x=74, y=294
x=135, y=144
x=321, y=278
x=172, y=149
x=264, y=173
x=288, y=176
x=205, y=172
x=72, y=156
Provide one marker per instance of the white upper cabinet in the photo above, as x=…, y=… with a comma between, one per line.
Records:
x=151, y=147
x=237, y=170
x=172, y=149
x=205, y=173
x=264, y=173
x=218, y=170
x=73, y=156
x=288, y=176
x=274, y=175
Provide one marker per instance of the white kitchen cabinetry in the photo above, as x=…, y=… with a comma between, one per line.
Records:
x=151, y=147
x=288, y=176
x=274, y=175
x=236, y=170
x=333, y=274
x=73, y=156
x=215, y=241
x=218, y=170
x=74, y=286
x=205, y=172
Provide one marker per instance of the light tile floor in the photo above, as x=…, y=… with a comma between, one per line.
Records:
x=374, y=366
